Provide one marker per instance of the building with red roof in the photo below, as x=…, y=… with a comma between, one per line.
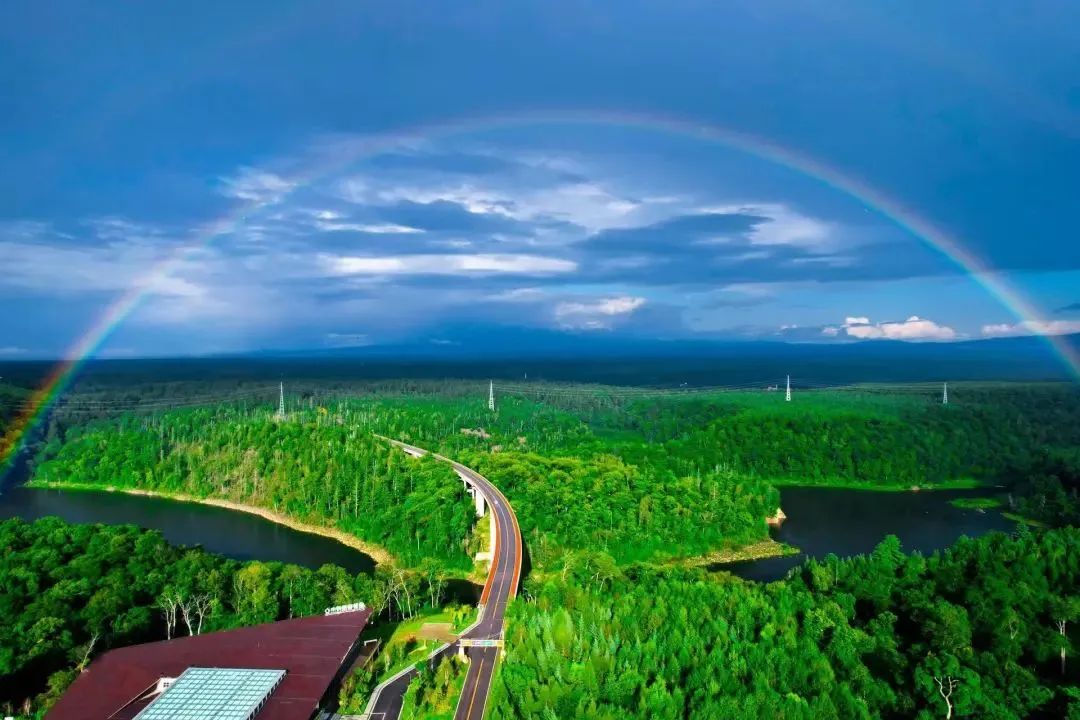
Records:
x=276, y=671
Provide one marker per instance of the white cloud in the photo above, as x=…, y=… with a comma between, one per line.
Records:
x=122, y=229
x=782, y=225
x=914, y=328
x=42, y=266
x=525, y=294
x=588, y=204
x=1032, y=327
x=752, y=289
x=446, y=264
x=372, y=228
x=364, y=191
x=330, y=221
x=178, y=284
x=596, y=314
x=835, y=261
x=750, y=255
x=454, y=243
x=13, y=350
x=258, y=186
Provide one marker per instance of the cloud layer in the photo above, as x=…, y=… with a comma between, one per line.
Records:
x=1032, y=327
x=425, y=234
x=914, y=328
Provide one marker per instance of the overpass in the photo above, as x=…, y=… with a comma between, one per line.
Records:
x=481, y=642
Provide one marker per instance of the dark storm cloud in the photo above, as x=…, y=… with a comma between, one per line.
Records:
x=676, y=236
x=711, y=248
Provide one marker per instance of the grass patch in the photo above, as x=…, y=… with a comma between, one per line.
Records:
x=402, y=645
x=755, y=551
x=435, y=698
x=976, y=503
x=1024, y=520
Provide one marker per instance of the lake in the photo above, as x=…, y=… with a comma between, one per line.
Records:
x=228, y=532
x=851, y=522
x=820, y=521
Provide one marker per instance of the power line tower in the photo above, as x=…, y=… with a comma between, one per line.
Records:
x=787, y=391
x=945, y=393
x=491, y=396
x=281, y=402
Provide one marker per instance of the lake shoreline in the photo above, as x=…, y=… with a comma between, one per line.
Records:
x=840, y=484
x=761, y=550
x=379, y=554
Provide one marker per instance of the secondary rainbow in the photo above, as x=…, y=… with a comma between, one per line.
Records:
x=345, y=153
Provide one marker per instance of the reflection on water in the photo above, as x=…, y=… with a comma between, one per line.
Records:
x=230, y=533
x=850, y=522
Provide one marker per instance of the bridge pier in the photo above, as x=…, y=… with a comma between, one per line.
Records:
x=478, y=498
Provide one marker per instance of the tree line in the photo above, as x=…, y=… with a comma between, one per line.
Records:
x=985, y=629
x=311, y=467
x=70, y=592
x=638, y=477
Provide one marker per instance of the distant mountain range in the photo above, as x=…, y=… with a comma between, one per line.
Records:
x=518, y=354
x=611, y=357
x=465, y=341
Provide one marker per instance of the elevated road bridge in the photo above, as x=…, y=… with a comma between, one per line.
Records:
x=481, y=643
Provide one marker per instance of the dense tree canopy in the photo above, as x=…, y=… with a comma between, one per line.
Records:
x=70, y=592
x=633, y=512
x=632, y=475
x=314, y=468
x=607, y=485
x=1048, y=487
x=862, y=638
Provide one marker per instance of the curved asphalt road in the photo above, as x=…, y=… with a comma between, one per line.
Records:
x=501, y=586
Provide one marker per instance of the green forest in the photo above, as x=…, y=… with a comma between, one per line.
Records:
x=69, y=592
x=611, y=485
x=314, y=469
x=985, y=629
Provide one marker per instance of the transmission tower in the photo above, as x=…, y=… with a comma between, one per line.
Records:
x=281, y=402
x=945, y=393
x=787, y=391
x=491, y=396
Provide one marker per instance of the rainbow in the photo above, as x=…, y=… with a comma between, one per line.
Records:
x=325, y=164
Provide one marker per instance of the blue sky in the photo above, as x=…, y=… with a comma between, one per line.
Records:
x=386, y=196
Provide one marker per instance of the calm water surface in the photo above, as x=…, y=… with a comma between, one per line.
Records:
x=228, y=532
x=850, y=522
x=820, y=521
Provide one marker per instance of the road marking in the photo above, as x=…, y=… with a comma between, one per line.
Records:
x=476, y=686
x=503, y=579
